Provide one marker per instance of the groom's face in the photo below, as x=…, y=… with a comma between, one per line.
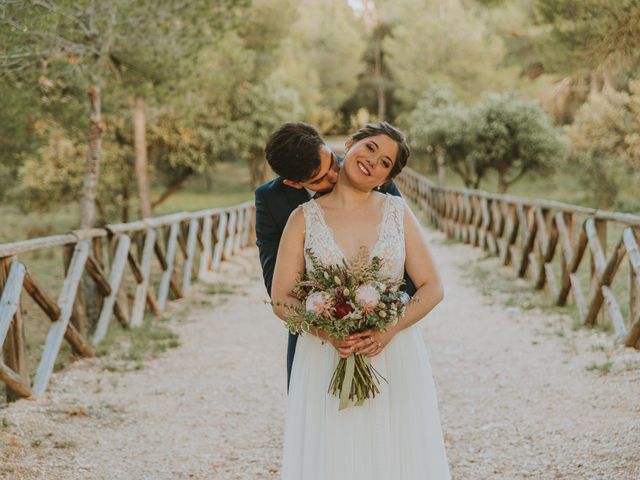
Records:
x=326, y=176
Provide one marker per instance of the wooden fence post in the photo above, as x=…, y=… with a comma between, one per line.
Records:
x=237, y=244
x=633, y=253
x=220, y=240
x=115, y=279
x=191, y=250
x=163, y=291
x=205, y=255
x=58, y=328
x=144, y=291
x=14, y=370
x=231, y=236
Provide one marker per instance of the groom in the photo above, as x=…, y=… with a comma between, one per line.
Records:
x=307, y=168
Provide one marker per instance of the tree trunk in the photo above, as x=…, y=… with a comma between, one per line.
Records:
x=124, y=210
x=257, y=169
x=503, y=184
x=87, y=305
x=440, y=164
x=382, y=104
x=142, y=179
x=92, y=167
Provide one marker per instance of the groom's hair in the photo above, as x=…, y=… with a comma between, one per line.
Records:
x=384, y=128
x=293, y=151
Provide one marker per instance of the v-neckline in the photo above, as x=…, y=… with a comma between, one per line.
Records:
x=333, y=238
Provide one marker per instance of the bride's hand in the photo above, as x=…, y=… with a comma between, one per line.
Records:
x=343, y=347
x=371, y=342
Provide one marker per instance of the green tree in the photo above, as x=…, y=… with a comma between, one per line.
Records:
x=604, y=144
x=441, y=126
x=513, y=137
x=502, y=133
x=323, y=58
x=375, y=90
x=446, y=42
x=96, y=45
x=584, y=34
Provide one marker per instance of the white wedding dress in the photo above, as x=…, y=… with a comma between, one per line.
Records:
x=394, y=436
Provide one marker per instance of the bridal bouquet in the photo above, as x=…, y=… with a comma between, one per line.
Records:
x=342, y=300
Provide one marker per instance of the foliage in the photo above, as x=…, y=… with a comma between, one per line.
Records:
x=453, y=46
x=16, y=111
x=513, y=137
x=586, y=33
x=605, y=143
x=323, y=59
x=55, y=170
x=258, y=110
x=55, y=49
x=442, y=125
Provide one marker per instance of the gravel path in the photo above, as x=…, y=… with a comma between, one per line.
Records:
x=521, y=395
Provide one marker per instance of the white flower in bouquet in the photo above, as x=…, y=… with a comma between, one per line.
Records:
x=367, y=297
x=319, y=303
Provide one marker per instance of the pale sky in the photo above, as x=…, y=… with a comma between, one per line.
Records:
x=356, y=5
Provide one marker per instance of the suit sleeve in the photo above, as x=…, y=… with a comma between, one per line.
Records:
x=267, y=238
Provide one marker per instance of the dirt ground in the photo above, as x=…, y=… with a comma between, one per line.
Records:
x=522, y=394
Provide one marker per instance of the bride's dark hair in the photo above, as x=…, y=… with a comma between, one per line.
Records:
x=384, y=128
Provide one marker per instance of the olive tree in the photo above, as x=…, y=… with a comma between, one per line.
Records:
x=513, y=137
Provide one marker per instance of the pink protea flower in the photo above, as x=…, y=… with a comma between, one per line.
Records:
x=320, y=303
x=367, y=297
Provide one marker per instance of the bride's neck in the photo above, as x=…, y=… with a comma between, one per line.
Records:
x=345, y=195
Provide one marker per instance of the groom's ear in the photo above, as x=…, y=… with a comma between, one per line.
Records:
x=289, y=183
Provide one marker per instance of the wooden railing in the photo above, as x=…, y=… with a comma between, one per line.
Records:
x=211, y=235
x=547, y=241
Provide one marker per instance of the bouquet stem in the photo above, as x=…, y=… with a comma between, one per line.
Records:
x=355, y=380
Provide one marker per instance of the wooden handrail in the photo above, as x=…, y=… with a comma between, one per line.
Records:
x=625, y=218
x=215, y=234
x=532, y=234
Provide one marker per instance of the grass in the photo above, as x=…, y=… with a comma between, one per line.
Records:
x=603, y=368
x=226, y=185
x=220, y=288
x=125, y=349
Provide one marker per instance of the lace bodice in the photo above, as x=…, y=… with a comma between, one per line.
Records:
x=389, y=245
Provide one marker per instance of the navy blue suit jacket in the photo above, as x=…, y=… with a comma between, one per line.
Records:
x=274, y=203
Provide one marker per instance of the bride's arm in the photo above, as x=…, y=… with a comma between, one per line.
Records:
x=289, y=265
x=421, y=268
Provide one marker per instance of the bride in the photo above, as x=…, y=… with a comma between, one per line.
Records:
x=396, y=435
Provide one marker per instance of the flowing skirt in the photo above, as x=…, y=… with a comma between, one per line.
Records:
x=394, y=436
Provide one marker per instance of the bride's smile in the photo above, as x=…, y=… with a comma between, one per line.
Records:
x=368, y=163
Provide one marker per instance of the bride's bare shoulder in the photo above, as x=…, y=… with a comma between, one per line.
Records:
x=297, y=215
x=380, y=197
